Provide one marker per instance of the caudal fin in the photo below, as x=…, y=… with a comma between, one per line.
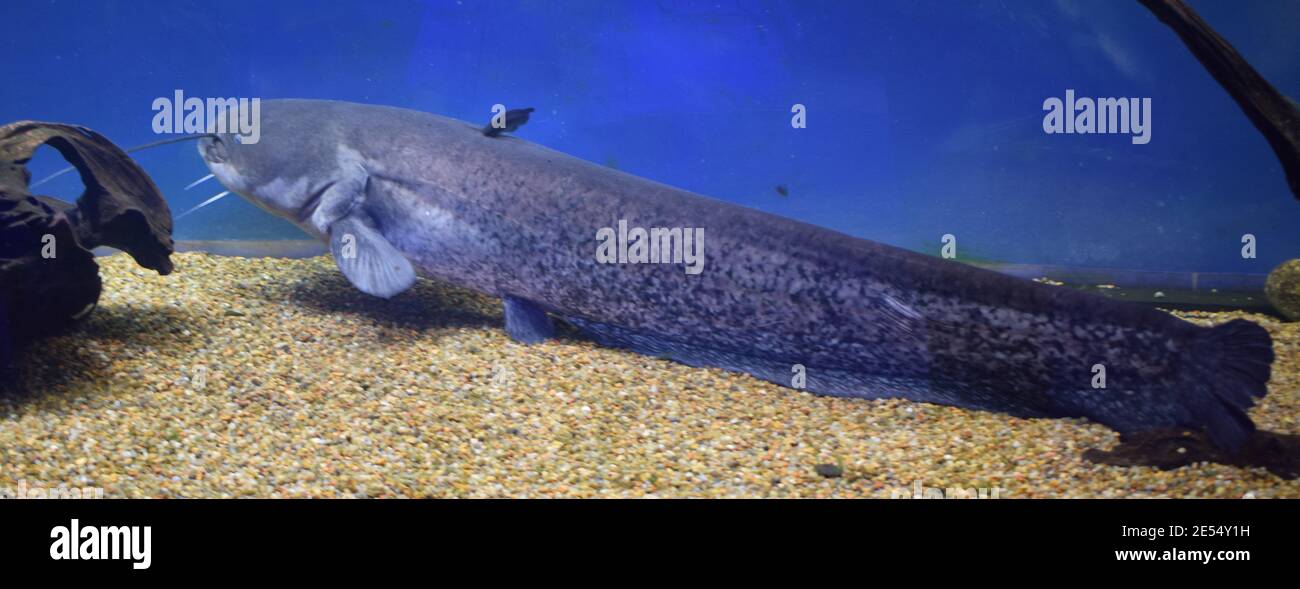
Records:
x=1232, y=364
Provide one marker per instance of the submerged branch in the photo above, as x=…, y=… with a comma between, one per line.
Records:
x=1276, y=116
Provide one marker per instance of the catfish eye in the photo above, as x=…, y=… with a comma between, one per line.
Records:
x=214, y=150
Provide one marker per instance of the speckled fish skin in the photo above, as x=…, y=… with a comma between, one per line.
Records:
x=511, y=218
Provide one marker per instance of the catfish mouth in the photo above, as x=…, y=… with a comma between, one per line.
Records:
x=213, y=150
x=216, y=151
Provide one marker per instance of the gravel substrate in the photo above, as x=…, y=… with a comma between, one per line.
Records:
x=241, y=377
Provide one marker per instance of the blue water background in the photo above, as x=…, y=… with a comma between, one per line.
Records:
x=924, y=117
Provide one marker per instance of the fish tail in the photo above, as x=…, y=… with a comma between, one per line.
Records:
x=1231, y=366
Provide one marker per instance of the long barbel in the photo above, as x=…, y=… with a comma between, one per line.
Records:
x=129, y=150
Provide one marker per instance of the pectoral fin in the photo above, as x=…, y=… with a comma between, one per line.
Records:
x=526, y=322
x=366, y=258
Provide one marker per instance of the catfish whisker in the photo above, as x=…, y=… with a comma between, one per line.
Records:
x=204, y=204
x=51, y=177
x=130, y=150
x=200, y=181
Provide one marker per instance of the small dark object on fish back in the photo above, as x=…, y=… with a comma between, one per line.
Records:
x=782, y=190
x=515, y=118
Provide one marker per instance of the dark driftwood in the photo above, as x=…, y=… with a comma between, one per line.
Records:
x=39, y=296
x=1276, y=116
x=121, y=207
